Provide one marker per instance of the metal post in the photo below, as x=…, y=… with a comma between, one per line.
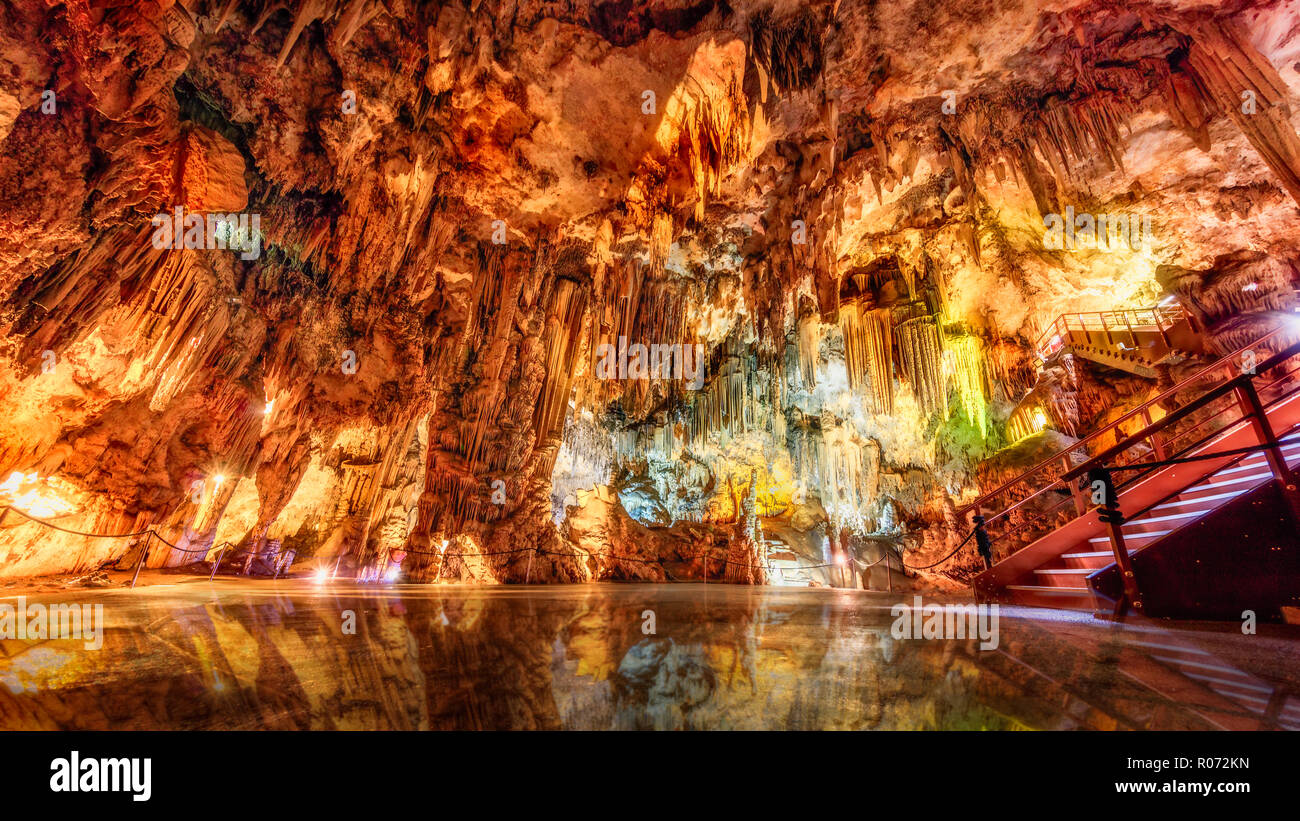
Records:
x=528, y=574
x=1109, y=513
x=1157, y=444
x=143, y=553
x=1251, y=405
x=1080, y=506
x=218, y=562
x=982, y=542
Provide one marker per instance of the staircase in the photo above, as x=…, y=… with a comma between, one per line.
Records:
x=1132, y=340
x=1219, y=437
x=1063, y=580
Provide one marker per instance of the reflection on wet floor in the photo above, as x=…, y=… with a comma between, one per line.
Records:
x=291, y=655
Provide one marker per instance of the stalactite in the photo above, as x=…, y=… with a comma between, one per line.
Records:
x=842, y=474
x=809, y=350
x=1070, y=134
x=561, y=340
x=868, y=345
x=920, y=357
x=715, y=134
x=661, y=240
x=585, y=459
x=639, y=308
x=1011, y=374
x=1232, y=76
x=963, y=367
x=787, y=51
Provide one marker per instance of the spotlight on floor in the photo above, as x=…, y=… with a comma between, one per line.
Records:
x=322, y=575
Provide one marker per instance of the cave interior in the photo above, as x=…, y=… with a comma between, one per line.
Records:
x=518, y=291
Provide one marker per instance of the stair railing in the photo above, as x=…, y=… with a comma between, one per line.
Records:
x=1049, y=494
x=1127, y=320
x=1245, y=402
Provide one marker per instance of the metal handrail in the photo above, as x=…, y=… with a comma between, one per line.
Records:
x=1113, y=426
x=1252, y=407
x=1229, y=387
x=1161, y=318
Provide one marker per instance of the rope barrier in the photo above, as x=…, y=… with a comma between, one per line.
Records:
x=26, y=515
x=116, y=565
x=944, y=559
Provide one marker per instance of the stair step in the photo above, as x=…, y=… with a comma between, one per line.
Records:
x=1223, y=682
x=1093, y=554
x=1128, y=537
x=1243, y=697
x=1054, y=598
x=1062, y=578
x=1169, y=517
x=1157, y=646
x=1213, y=498
x=1060, y=581
x=1130, y=527
x=1243, y=700
x=1218, y=668
x=1254, y=463
x=1286, y=714
x=1214, y=484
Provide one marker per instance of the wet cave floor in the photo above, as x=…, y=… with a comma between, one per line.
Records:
x=293, y=654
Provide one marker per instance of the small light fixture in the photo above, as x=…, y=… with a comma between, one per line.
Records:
x=218, y=479
x=1254, y=286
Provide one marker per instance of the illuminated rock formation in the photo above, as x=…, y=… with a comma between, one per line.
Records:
x=539, y=291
